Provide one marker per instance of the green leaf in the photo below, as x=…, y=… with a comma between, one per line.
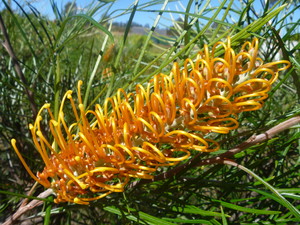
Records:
x=266, y=194
x=249, y=210
x=282, y=200
x=194, y=210
x=153, y=219
x=106, y=1
x=185, y=221
x=289, y=190
x=258, y=24
x=48, y=211
x=267, y=179
x=292, y=196
x=25, y=196
x=87, y=18
x=144, y=216
x=224, y=221
x=94, y=22
x=215, y=222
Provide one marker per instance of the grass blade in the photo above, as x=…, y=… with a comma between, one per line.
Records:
x=283, y=201
x=190, y=209
x=245, y=209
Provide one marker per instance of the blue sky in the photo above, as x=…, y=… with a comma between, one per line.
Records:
x=44, y=7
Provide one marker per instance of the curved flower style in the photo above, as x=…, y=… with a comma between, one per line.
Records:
x=134, y=134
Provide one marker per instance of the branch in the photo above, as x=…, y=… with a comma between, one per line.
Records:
x=24, y=208
x=255, y=139
x=7, y=45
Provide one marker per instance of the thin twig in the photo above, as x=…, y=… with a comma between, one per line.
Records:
x=29, y=194
x=7, y=45
x=23, y=209
x=267, y=135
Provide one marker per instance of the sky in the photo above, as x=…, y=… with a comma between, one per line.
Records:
x=44, y=7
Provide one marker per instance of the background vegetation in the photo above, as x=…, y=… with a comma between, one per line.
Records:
x=50, y=56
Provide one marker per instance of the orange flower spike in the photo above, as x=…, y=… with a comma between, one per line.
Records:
x=126, y=134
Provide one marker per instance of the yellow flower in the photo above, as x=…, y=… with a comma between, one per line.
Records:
x=134, y=134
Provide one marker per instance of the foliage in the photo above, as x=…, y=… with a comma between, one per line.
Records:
x=54, y=54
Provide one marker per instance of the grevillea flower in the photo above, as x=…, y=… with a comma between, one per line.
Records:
x=157, y=125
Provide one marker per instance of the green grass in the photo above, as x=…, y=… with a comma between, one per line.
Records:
x=262, y=188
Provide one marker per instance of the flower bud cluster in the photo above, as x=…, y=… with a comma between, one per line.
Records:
x=157, y=125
